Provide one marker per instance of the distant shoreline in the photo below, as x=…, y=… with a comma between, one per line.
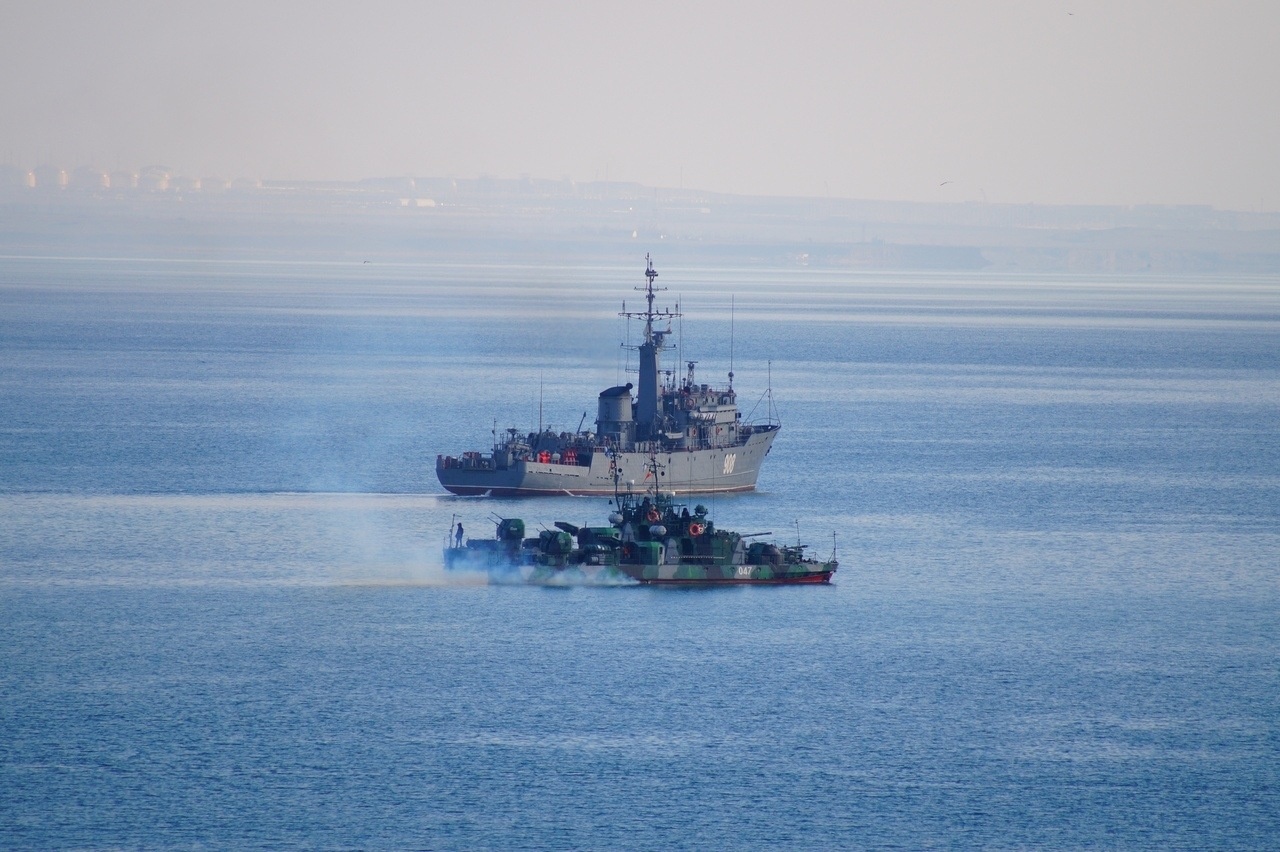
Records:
x=439, y=218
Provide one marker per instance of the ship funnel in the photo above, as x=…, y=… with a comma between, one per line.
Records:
x=615, y=417
x=615, y=405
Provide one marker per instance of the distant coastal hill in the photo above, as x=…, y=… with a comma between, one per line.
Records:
x=408, y=219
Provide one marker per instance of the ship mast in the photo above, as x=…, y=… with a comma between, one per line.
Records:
x=647, y=410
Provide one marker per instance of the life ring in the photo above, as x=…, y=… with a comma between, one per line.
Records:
x=696, y=529
x=653, y=517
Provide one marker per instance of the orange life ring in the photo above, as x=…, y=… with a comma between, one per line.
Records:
x=696, y=529
x=653, y=516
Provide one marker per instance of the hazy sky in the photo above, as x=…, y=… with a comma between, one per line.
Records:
x=1149, y=101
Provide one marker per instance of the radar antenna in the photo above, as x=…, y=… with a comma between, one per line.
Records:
x=649, y=314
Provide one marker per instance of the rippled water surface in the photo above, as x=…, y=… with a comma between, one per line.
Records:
x=224, y=620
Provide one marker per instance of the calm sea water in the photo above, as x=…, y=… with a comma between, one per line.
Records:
x=224, y=621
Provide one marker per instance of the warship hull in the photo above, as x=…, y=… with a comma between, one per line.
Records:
x=509, y=571
x=713, y=470
x=817, y=578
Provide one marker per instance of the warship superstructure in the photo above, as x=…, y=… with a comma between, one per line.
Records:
x=650, y=539
x=695, y=429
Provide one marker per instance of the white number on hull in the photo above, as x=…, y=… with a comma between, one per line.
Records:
x=729, y=460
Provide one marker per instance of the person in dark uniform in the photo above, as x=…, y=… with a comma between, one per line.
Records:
x=458, y=535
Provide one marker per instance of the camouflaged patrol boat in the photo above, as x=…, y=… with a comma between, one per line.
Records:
x=651, y=539
x=695, y=428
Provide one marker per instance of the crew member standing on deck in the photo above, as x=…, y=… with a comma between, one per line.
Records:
x=458, y=535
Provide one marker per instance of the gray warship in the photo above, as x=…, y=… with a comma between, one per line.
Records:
x=695, y=429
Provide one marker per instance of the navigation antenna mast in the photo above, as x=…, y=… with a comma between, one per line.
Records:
x=731, y=307
x=647, y=410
